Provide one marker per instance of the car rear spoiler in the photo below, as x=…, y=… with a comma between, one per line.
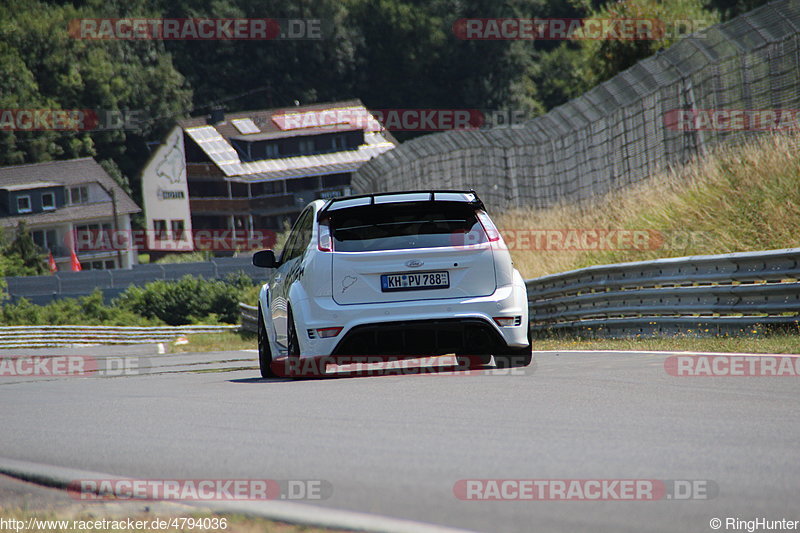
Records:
x=475, y=201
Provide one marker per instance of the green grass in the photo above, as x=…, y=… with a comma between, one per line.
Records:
x=736, y=199
x=780, y=344
x=215, y=342
x=218, y=342
x=250, y=295
x=784, y=344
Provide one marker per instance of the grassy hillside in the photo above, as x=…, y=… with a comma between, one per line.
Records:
x=741, y=198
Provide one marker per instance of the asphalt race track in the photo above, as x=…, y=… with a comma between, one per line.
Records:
x=397, y=445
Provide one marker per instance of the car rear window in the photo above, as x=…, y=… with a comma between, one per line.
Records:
x=405, y=225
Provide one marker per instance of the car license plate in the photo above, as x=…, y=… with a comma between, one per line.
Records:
x=415, y=281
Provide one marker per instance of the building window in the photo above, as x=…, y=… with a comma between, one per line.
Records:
x=303, y=184
x=38, y=238
x=239, y=190
x=335, y=180
x=178, y=228
x=110, y=265
x=45, y=239
x=23, y=204
x=272, y=150
x=306, y=146
x=266, y=188
x=88, y=229
x=78, y=195
x=338, y=143
x=93, y=237
x=160, y=229
x=48, y=201
x=240, y=222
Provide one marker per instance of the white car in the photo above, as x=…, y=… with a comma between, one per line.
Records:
x=402, y=274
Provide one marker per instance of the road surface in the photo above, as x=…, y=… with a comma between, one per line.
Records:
x=397, y=445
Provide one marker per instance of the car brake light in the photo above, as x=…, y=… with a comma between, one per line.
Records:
x=492, y=233
x=325, y=241
x=326, y=333
x=504, y=321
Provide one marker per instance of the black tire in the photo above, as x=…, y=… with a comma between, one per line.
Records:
x=293, y=353
x=516, y=357
x=292, y=344
x=264, y=352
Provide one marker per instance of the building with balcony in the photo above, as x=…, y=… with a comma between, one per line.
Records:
x=59, y=201
x=254, y=170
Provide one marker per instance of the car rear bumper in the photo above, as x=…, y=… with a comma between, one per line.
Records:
x=423, y=327
x=422, y=337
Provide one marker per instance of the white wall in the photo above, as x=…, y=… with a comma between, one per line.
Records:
x=163, y=182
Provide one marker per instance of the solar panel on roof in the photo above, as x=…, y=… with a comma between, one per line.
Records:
x=219, y=150
x=245, y=125
x=215, y=146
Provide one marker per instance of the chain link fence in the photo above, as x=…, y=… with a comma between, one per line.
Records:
x=618, y=133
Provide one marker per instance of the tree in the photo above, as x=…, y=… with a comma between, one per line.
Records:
x=23, y=257
x=602, y=59
x=729, y=9
x=389, y=53
x=50, y=69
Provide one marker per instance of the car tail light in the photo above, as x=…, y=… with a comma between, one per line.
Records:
x=325, y=241
x=504, y=321
x=492, y=233
x=326, y=333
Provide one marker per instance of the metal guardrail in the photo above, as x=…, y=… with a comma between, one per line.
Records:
x=733, y=294
x=707, y=295
x=54, y=336
x=249, y=316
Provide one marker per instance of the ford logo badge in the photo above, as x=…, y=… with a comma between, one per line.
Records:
x=414, y=263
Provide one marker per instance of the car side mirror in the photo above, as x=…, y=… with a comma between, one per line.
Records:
x=265, y=259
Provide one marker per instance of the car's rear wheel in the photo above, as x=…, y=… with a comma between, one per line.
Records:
x=296, y=366
x=264, y=352
x=516, y=357
x=292, y=344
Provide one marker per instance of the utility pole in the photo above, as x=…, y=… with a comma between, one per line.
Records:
x=112, y=193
